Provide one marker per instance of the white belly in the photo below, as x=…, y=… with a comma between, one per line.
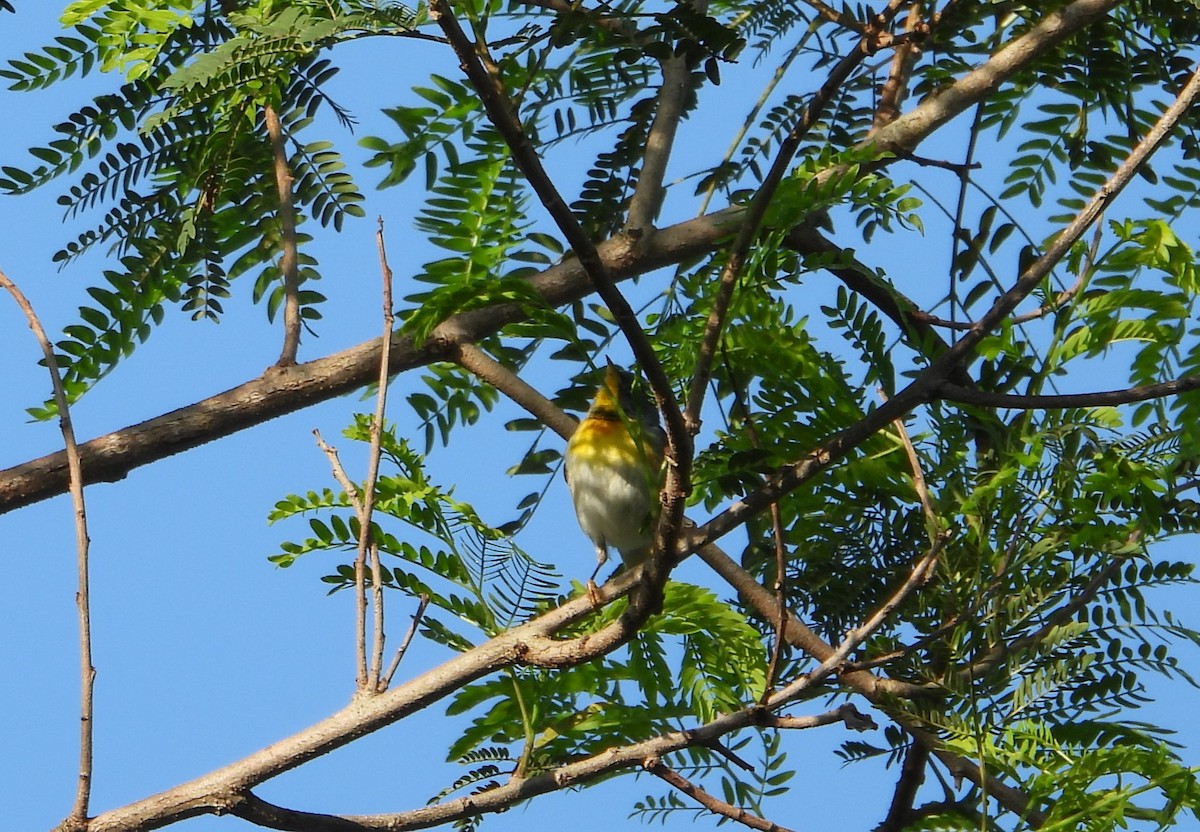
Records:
x=613, y=507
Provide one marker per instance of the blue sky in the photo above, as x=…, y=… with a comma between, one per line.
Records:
x=207, y=652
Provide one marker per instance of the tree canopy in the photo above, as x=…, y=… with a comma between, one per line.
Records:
x=912, y=286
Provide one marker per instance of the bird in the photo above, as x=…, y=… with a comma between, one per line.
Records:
x=613, y=467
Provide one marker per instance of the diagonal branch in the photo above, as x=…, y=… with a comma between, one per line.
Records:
x=757, y=210
x=285, y=390
x=485, y=78
x=1015, y=401
x=713, y=804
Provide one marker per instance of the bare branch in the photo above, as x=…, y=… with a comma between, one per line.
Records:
x=289, y=264
x=372, y=682
x=912, y=775
x=79, y=810
x=87, y=672
x=386, y=681
x=895, y=89
x=845, y=713
x=713, y=804
x=360, y=569
x=489, y=370
x=1016, y=401
x=250, y=807
x=649, y=192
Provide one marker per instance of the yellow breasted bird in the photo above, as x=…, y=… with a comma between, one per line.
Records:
x=613, y=467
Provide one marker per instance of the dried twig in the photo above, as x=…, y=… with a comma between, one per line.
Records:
x=87, y=671
x=360, y=561
x=386, y=681
x=389, y=321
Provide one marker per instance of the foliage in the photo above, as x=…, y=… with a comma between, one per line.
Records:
x=1027, y=654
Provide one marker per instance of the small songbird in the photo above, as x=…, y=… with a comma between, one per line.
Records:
x=613, y=467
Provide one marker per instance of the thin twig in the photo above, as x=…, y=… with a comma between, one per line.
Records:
x=289, y=263
x=87, y=672
x=389, y=321
x=1097, y=398
x=360, y=562
x=715, y=805
x=739, y=403
x=757, y=210
x=386, y=681
x=914, y=462
x=752, y=116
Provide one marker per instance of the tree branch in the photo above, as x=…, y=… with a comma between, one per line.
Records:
x=718, y=807
x=649, y=192
x=87, y=672
x=289, y=264
x=895, y=89
x=284, y=390
x=490, y=371
x=912, y=775
x=485, y=78
x=1014, y=401
x=377, y=425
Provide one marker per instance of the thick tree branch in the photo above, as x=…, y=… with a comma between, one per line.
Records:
x=284, y=390
x=649, y=192
x=362, y=716
x=228, y=790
